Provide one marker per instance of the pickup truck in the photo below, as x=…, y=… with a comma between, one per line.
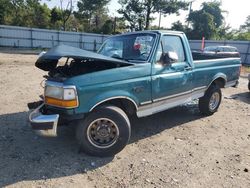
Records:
x=138, y=73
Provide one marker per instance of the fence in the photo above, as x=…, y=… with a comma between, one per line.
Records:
x=23, y=37
x=12, y=36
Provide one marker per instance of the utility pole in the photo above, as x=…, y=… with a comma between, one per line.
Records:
x=114, y=25
x=159, y=26
x=190, y=10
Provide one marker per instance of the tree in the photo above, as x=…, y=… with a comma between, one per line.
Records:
x=244, y=31
x=29, y=13
x=37, y=15
x=92, y=11
x=107, y=27
x=207, y=21
x=119, y=25
x=167, y=7
x=55, y=15
x=178, y=26
x=4, y=11
x=66, y=12
x=246, y=26
x=138, y=12
x=133, y=12
x=162, y=7
x=17, y=12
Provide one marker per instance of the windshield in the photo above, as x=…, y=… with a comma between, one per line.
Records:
x=129, y=47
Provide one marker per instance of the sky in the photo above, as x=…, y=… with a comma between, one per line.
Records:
x=237, y=11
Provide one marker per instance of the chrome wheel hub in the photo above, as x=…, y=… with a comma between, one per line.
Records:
x=214, y=101
x=102, y=133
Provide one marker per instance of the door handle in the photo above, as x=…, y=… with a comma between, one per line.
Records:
x=187, y=68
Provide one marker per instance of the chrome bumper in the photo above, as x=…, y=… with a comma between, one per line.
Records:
x=44, y=125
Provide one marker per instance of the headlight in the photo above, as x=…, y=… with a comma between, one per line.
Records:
x=69, y=94
x=61, y=96
x=54, y=92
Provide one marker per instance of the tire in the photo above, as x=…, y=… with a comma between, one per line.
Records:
x=104, y=132
x=210, y=102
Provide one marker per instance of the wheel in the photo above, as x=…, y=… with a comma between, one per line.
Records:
x=210, y=102
x=249, y=85
x=104, y=132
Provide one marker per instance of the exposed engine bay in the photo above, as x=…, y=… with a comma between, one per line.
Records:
x=64, y=61
x=73, y=67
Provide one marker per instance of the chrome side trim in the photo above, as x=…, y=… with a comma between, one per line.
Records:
x=117, y=97
x=181, y=94
x=161, y=106
x=167, y=103
x=216, y=60
x=198, y=93
x=146, y=102
x=231, y=83
x=172, y=96
x=199, y=88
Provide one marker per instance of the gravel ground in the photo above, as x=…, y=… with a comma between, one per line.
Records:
x=175, y=148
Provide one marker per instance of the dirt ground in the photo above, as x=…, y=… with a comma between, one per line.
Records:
x=175, y=148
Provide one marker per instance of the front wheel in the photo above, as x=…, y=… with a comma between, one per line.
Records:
x=104, y=132
x=210, y=102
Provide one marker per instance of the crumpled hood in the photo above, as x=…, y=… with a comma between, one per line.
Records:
x=49, y=60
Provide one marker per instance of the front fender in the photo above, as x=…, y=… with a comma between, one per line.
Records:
x=106, y=96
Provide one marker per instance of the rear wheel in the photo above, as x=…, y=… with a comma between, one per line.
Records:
x=210, y=102
x=104, y=132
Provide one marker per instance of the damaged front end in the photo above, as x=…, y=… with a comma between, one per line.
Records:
x=59, y=100
x=44, y=125
x=63, y=62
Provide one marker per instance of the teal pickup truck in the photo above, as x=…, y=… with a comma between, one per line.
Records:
x=139, y=73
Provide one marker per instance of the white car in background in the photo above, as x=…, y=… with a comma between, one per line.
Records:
x=225, y=51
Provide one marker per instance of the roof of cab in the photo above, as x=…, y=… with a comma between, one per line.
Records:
x=151, y=31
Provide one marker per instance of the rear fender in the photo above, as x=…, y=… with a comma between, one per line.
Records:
x=220, y=77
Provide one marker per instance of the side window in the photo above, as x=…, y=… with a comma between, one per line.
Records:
x=174, y=44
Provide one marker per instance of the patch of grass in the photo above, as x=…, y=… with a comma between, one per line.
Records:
x=245, y=69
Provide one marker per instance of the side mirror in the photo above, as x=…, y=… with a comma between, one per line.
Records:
x=169, y=57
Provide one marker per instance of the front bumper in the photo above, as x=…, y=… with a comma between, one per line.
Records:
x=43, y=124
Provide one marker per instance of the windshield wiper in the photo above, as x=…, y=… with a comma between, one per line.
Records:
x=118, y=57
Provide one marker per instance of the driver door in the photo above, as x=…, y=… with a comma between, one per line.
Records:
x=171, y=83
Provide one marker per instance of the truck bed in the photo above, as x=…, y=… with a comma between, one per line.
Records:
x=205, y=71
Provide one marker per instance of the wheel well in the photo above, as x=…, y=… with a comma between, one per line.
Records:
x=219, y=82
x=125, y=104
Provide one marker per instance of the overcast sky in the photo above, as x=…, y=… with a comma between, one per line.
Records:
x=238, y=10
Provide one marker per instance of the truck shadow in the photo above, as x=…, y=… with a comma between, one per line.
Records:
x=243, y=97
x=26, y=157
x=152, y=125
